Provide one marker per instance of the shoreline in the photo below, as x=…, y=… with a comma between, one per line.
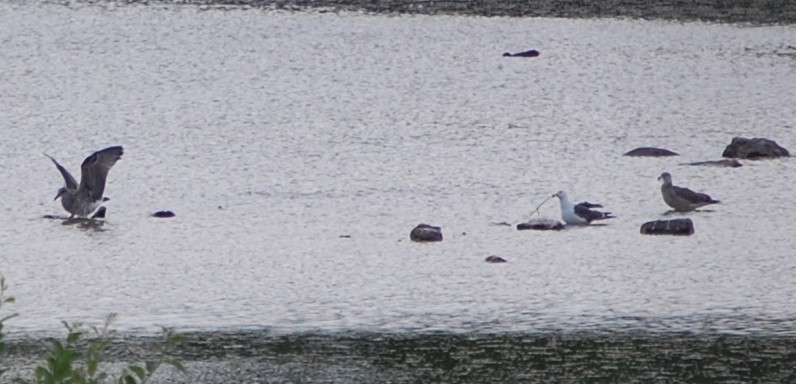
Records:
x=625, y=356
x=757, y=12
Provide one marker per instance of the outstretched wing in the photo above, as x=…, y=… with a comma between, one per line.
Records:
x=691, y=196
x=95, y=171
x=70, y=181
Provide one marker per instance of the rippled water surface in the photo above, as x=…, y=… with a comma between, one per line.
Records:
x=299, y=149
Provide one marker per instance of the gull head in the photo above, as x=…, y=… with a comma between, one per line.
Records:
x=60, y=193
x=560, y=194
x=666, y=177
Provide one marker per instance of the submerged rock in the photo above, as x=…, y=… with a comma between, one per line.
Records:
x=651, y=151
x=495, y=259
x=163, y=214
x=426, y=233
x=683, y=227
x=757, y=148
x=541, y=224
x=729, y=163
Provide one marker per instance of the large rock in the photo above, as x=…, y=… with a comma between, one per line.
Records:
x=683, y=227
x=425, y=233
x=650, y=151
x=757, y=148
x=541, y=224
x=495, y=259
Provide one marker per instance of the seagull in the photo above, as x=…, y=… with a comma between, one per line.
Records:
x=682, y=199
x=581, y=213
x=80, y=200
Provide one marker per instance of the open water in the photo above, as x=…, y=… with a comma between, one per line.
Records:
x=298, y=149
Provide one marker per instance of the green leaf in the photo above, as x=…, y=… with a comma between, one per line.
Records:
x=73, y=337
x=151, y=366
x=175, y=338
x=91, y=367
x=129, y=379
x=138, y=371
x=175, y=363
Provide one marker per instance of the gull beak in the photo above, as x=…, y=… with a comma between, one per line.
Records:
x=659, y=178
x=60, y=192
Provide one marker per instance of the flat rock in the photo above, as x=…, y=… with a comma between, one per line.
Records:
x=651, y=152
x=757, y=148
x=681, y=227
x=426, y=233
x=728, y=163
x=495, y=259
x=541, y=224
x=163, y=214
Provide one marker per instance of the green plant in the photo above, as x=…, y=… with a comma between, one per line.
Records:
x=77, y=360
x=4, y=300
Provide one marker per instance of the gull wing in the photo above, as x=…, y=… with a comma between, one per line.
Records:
x=691, y=196
x=95, y=171
x=70, y=181
x=582, y=210
x=587, y=214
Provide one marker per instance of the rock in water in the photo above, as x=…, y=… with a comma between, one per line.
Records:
x=650, y=151
x=682, y=227
x=541, y=224
x=163, y=214
x=495, y=259
x=425, y=233
x=529, y=53
x=757, y=148
x=100, y=214
x=728, y=163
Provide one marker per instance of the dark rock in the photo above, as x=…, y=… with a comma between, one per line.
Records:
x=684, y=227
x=100, y=214
x=425, y=232
x=650, y=151
x=541, y=225
x=163, y=214
x=757, y=148
x=729, y=163
x=495, y=259
x=531, y=53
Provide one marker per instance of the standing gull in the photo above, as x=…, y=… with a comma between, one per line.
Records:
x=80, y=200
x=682, y=199
x=581, y=213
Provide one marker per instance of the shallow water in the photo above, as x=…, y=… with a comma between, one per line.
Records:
x=299, y=149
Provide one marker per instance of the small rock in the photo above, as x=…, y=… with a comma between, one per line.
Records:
x=541, y=224
x=425, y=232
x=100, y=214
x=683, y=227
x=757, y=148
x=495, y=259
x=729, y=163
x=650, y=151
x=163, y=214
x=530, y=53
